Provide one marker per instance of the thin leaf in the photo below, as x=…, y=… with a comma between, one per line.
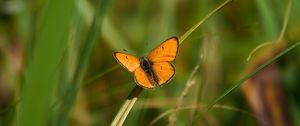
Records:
x=96, y=77
x=243, y=79
x=126, y=107
x=41, y=72
x=191, y=30
x=83, y=60
x=261, y=67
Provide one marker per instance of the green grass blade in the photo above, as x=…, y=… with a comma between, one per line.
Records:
x=268, y=19
x=243, y=79
x=126, y=107
x=191, y=30
x=281, y=35
x=96, y=77
x=83, y=60
x=42, y=71
x=261, y=67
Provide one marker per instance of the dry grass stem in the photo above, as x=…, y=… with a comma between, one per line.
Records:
x=189, y=84
x=202, y=106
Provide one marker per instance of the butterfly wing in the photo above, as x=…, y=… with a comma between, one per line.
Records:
x=164, y=71
x=142, y=79
x=131, y=63
x=166, y=51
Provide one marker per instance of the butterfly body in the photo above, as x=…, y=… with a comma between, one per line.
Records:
x=156, y=68
x=146, y=65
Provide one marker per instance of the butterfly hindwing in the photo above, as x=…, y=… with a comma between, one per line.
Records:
x=142, y=79
x=131, y=63
x=166, y=51
x=163, y=71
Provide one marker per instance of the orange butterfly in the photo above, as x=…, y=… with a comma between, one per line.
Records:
x=156, y=68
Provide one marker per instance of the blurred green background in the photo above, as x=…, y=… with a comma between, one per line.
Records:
x=57, y=66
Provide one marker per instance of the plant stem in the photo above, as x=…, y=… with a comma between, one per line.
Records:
x=127, y=106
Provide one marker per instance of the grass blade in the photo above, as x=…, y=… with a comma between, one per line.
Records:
x=224, y=107
x=41, y=72
x=261, y=67
x=126, y=107
x=190, y=82
x=243, y=79
x=191, y=30
x=96, y=77
x=281, y=35
x=83, y=60
x=268, y=19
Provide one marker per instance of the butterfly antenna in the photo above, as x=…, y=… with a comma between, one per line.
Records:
x=125, y=50
x=145, y=48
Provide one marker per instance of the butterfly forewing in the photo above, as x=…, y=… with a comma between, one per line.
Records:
x=163, y=71
x=166, y=51
x=142, y=79
x=131, y=63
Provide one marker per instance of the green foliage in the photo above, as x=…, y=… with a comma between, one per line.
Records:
x=57, y=66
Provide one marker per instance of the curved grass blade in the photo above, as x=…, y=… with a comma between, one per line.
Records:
x=240, y=82
x=243, y=79
x=191, y=30
x=281, y=35
x=126, y=107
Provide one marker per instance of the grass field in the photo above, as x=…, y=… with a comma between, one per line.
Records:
x=238, y=62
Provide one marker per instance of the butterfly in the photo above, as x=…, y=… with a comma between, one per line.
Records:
x=156, y=68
